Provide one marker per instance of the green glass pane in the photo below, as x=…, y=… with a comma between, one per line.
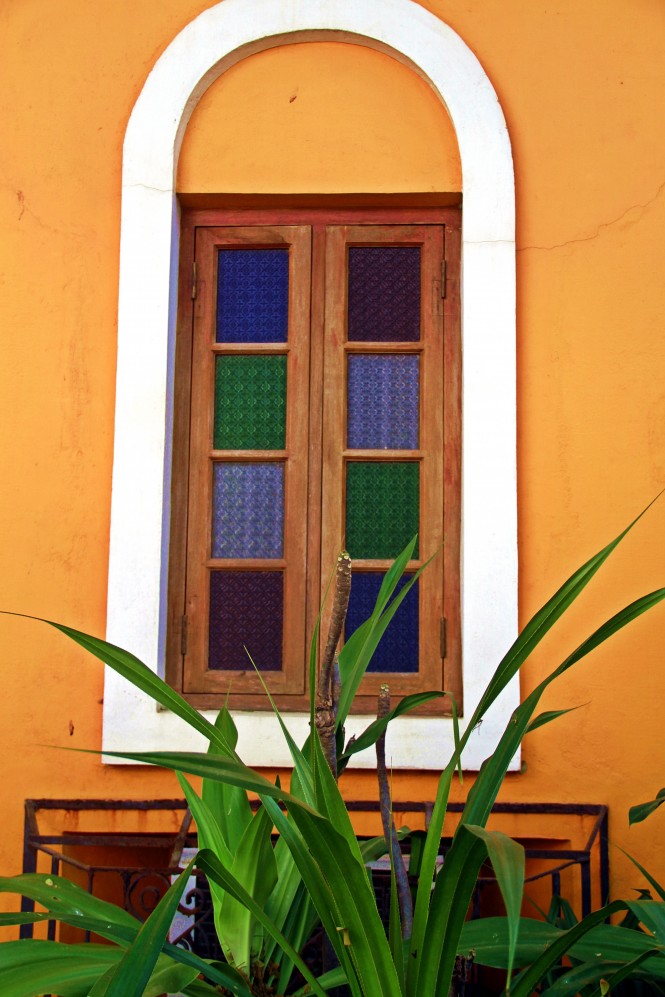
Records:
x=250, y=403
x=382, y=507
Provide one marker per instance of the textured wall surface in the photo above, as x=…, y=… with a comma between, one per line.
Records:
x=581, y=87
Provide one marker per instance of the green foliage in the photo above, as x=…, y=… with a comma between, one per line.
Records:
x=626, y=959
x=642, y=810
x=266, y=899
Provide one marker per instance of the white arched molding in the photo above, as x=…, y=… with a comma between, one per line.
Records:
x=214, y=41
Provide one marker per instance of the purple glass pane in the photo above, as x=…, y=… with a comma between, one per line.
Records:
x=384, y=294
x=252, y=296
x=383, y=402
x=246, y=610
x=247, y=510
x=398, y=648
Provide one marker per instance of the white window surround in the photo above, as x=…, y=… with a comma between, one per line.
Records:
x=217, y=39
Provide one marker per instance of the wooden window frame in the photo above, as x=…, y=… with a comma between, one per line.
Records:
x=313, y=551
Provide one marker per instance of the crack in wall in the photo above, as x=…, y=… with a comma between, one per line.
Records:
x=147, y=186
x=641, y=206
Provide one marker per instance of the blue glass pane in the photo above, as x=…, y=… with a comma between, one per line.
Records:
x=246, y=609
x=383, y=402
x=398, y=648
x=248, y=510
x=252, y=296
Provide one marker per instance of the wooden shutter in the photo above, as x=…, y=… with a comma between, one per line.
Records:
x=368, y=347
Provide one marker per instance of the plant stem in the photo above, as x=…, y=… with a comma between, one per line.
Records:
x=389, y=829
x=337, y=618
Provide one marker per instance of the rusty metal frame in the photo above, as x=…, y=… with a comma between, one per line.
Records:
x=594, y=852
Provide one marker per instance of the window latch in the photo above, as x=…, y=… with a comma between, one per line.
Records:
x=444, y=648
x=193, y=280
x=443, y=278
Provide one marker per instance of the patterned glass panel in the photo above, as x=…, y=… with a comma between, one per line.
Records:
x=250, y=403
x=384, y=294
x=246, y=611
x=252, y=295
x=248, y=510
x=383, y=402
x=398, y=648
x=382, y=507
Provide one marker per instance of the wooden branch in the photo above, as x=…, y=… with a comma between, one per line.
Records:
x=337, y=618
x=328, y=685
x=325, y=720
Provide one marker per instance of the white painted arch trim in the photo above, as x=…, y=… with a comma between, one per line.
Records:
x=217, y=39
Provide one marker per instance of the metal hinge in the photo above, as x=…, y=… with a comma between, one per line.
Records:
x=183, y=635
x=443, y=278
x=444, y=648
x=194, y=280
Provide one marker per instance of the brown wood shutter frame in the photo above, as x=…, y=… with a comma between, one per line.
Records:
x=315, y=448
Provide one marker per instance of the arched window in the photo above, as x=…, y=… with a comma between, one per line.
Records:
x=141, y=513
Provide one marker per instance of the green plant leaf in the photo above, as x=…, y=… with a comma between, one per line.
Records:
x=216, y=767
x=132, y=669
x=395, y=940
x=317, y=886
x=32, y=967
x=660, y=890
x=442, y=920
x=359, y=923
x=199, y=988
x=298, y=925
x=210, y=836
x=228, y=804
x=328, y=981
x=652, y=915
x=300, y=765
x=374, y=848
x=22, y=917
x=548, y=716
x=527, y=641
x=361, y=645
x=209, y=863
x=641, y=811
x=629, y=969
x=530, y=978
x=357, y=652
x=166, y=976
x=507, y=858
x=255, y=869
x=69, y=903
x=427, y=856
x=574, y=979
x=208, y=830
x=543, y=621
x=373, y=732
x=138, y=962
x=330, y=803
x=66, y=901
x=453, y=888
x=487, y=939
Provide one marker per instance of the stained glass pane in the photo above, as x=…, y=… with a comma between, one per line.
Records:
x=250, y=403
x=383, y=402
x=398, y=648
x=384, y=294
x=252, y=295
x=248, y=510
x=246, y=611
x=382, y=507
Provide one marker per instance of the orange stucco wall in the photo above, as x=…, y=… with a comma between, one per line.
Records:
x=581, y=86
x=245, y=136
